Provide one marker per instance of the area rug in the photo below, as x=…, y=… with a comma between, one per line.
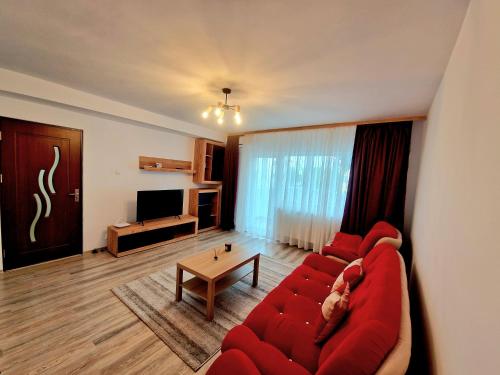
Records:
x=182, y=326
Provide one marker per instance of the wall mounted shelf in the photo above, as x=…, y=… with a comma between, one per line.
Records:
x=148, y=163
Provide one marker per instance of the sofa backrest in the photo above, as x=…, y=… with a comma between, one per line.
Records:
x=380, y=230
x=372, y=325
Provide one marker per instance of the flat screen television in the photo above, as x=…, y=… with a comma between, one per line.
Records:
x=154, y=204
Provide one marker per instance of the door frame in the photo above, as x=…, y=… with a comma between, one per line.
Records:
x=5, y=263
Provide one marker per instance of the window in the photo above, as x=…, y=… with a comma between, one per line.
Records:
x=292, y=187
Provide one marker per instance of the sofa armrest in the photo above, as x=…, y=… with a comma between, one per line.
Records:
x=344, y=246
x=396, y=242
x=380, y=230
x=233, y=361
x=324, y=264
x=398, y=359
x=265, y=357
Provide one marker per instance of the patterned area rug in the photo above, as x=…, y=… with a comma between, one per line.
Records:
x=182, y=326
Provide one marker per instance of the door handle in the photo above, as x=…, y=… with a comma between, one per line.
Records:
x=76, y=194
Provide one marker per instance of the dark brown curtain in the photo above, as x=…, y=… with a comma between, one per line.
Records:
x=377, y=184
x=230, y=182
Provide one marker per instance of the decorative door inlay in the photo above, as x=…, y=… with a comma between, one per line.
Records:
x=37, y=216
x=52, y=170
x=44, y=193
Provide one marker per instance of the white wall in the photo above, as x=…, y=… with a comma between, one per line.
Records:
x=111, y=147
x=456, y=219
x=38, y=89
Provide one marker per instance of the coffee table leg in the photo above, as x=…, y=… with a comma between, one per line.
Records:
x=256, y=271
x=210, y=300
x=178, y=284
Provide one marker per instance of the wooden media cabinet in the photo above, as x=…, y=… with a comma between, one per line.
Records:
x=152, y=233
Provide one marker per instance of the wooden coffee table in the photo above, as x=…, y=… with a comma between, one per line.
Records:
x=211, y=276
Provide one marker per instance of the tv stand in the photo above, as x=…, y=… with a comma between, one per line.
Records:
x=149, y=234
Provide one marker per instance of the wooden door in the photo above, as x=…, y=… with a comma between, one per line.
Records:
x=41, y=190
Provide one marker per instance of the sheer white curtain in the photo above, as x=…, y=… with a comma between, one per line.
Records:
x=292, y=186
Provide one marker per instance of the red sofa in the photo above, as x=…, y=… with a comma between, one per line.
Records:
x=349, y=247
x=277, y=337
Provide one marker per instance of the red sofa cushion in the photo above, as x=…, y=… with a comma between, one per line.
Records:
x=267, y=358
x=233, y=361
x=380, y=230
x=333, y=311
x=324, y=265
x=347, y=241
x=352, y=274
x=345, y=246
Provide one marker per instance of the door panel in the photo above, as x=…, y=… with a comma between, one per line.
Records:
x=41, y=167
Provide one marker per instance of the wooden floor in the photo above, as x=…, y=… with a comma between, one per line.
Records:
x=61, y=317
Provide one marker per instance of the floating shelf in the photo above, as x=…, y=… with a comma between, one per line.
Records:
x=149, y=168
x=148, y=163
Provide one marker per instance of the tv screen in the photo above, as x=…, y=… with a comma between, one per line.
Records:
x=154, y=204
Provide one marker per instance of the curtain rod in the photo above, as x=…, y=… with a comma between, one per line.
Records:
x=336, y=124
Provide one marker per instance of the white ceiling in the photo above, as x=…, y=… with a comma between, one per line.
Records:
x=289, y=62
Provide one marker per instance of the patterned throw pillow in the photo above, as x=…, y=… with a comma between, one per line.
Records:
x=352, y=274
x=333, y=310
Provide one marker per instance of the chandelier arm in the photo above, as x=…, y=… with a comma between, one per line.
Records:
x=221, y=107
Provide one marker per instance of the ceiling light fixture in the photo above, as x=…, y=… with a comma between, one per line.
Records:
x=221, y=108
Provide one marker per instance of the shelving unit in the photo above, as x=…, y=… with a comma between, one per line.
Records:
x=205, y=204
x=138, y=237
x=208, y=161
x=148, y=163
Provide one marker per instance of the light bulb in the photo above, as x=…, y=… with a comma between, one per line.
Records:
x=220, y=120
x=218, y=110
x=207, y=112
x=237, y=118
